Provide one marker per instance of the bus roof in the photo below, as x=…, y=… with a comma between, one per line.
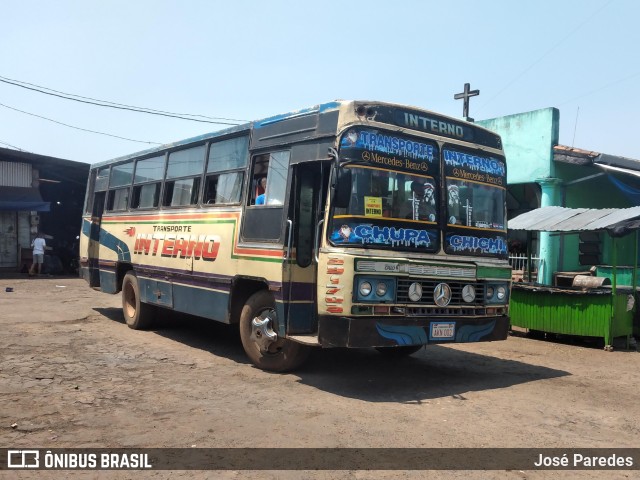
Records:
x=317, y=109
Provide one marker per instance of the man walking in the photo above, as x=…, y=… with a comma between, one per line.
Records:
x=38, y=245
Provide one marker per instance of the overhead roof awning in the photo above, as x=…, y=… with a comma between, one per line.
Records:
x=613, y=163
x=22, y=198
x=617, y=221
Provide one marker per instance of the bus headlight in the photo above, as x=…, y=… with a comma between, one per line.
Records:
x=497, y=293
x=374, y=289
x=365, y=289
x=501, y=293
x=490, y=292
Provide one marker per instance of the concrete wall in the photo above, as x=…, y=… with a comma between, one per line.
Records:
x=581, y=195
x=528, y=140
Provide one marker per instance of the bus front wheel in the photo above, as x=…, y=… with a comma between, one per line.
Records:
x=138, y=315
x=263, y=346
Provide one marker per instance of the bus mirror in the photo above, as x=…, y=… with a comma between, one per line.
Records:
x=342, y=191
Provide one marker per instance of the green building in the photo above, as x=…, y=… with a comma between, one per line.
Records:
x=542, y=173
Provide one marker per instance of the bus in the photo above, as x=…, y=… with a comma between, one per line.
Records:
x=352, y=224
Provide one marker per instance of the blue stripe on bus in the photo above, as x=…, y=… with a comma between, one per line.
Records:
x=107, y=240
x=300, y=291
x=473, y=333
x=403, y=334
x=300, y=113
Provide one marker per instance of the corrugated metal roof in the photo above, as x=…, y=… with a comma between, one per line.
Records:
x=620, y=162
x=561, y=219
x=14, y=174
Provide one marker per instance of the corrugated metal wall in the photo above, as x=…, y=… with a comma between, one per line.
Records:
x=13, y=174
x=572, y=313
x=8, y=239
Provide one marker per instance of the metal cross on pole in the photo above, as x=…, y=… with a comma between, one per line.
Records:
x=466, y=95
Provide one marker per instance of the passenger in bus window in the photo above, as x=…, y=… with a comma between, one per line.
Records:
x=262, y=198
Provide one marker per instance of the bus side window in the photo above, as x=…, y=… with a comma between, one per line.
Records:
x=119, y=182
x=145, y=196
x=118, y=199
x=260, y=169
x=147, y=181
x=182, y=183
x=181, y=192
x=223, y=188
x=265, y=222
x=224, y=176
x=277, y=178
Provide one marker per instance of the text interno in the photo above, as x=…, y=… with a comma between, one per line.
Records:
x=204, y=247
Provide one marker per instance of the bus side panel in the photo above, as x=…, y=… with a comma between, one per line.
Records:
x=186, y=260
x=108, y=280
x=212, y=304
x=89, y=251
x=301, y=318
x=299, y=293
x=155, y=292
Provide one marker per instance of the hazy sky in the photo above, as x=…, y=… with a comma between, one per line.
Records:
x=246, y=60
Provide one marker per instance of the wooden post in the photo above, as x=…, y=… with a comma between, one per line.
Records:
x=614, y=282
x=529, y=238
x=634, y=277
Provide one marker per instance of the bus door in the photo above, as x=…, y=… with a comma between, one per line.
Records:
x=96, y=196
x=97, y=210
x=308, y=194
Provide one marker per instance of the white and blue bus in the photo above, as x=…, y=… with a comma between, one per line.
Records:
x=350, y=224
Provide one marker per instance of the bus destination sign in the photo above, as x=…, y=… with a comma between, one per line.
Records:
x=436, y=125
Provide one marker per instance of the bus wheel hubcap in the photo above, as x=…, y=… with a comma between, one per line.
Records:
x=262, y=333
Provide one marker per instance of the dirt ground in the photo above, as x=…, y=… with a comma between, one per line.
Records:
x=73, y=375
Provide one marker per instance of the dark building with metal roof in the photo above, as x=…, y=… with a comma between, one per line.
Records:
x=38, y=192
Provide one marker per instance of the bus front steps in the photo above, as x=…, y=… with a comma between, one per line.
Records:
x=305, y=339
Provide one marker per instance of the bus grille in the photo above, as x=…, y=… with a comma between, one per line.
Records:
x=428, y=287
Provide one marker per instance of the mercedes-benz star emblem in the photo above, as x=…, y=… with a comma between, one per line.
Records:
x=442, y=294
x=415, y=292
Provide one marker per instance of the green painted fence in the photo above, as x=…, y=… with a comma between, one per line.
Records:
x=552, y=310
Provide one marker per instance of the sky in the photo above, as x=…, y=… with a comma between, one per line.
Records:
x=246, y=60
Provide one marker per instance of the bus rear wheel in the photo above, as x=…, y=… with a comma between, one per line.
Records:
x=398, y=352
x=138, y=315
x=263, y=346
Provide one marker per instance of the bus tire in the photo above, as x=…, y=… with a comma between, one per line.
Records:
x=400, y=351
x=138, y=315
x=283, y=354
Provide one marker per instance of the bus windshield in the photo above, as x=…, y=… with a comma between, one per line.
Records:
x=400, y=200
x=389, y=209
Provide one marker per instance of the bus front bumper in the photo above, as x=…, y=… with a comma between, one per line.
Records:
x=362, y=332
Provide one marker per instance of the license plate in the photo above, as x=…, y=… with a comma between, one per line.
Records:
x=443, y=331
